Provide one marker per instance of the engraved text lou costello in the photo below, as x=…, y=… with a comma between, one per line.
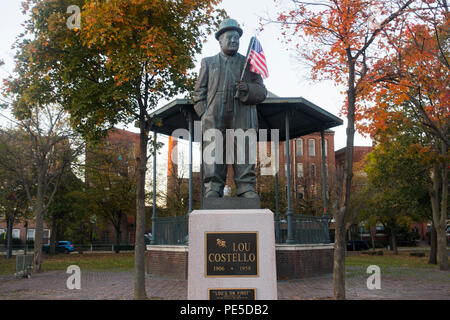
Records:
x=231, y=254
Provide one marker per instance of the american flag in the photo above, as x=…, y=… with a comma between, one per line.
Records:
x=257, y=59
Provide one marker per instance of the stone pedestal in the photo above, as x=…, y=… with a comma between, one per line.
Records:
x=228, y=203
x=232, y=255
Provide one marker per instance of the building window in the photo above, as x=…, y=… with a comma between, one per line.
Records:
x=299, y=170
x=46, y=236
x=2, y=231
x=313, y=170
x=16, y=233
x=299, y=147
x=312, y=147
x=30, y=234
x=379, y=229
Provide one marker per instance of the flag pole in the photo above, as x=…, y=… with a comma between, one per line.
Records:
x=252, y=40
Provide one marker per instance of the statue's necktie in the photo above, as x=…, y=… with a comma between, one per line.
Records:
x=228, y=100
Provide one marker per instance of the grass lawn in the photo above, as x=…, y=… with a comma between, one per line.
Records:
x=125, y=261
x=403, y=259
x=86, y=261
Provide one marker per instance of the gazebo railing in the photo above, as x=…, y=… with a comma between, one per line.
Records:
x=170, y=230
x=306, y=230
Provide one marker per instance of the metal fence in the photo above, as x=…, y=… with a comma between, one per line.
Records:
x=102, y=247
x=171, y=231
x=24, y=265
x=94, y=247
x=15, y=247
x=307, y=230
x=174, y=231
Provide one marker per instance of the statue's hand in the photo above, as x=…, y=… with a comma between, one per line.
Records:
x=242, y=86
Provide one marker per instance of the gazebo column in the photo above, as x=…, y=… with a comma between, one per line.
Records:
x=289, y=213
x=277, y=194
x=153, y=241
x=324, y=175
x=202, y=192
x=191, y=134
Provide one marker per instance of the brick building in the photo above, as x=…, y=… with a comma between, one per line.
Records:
x=20, y=233
x=306, y=163
x=359, y=154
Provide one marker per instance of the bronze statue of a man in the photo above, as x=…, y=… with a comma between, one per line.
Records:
x=219, y=107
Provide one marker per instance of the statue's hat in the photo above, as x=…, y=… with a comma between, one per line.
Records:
x=226, y=25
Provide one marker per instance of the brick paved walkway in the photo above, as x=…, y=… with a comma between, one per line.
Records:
x=396, y=283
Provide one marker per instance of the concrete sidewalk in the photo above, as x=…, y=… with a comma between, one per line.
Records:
x=396, y=283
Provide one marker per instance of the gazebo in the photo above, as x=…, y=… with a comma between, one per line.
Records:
x=293, y=117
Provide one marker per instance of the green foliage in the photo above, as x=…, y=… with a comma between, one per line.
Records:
x=266, y=188
x=396, y=190
x=68, y=215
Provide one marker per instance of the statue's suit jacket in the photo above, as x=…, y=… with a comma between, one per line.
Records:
x=208, y=101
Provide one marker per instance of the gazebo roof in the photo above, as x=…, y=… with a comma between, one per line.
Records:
x=305, y=117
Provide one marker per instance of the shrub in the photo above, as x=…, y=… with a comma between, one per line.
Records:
x=4, y=240
x=371, y=253
x=417, y=254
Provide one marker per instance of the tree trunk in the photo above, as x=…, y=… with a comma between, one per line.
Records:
x=440, y=214
x=118, y=233
x=339, y=244
x=442, y=254
x=339, y=256
x=38, y=240
x=39, y=217
x=442, y=240
x=350, y=235
x=394, y=242
x=10, y=223
x=139, y=247
x=53, y=237
x=433, y=244
x=372, y=238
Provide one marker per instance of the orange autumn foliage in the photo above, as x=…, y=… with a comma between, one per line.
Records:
x=414, y=77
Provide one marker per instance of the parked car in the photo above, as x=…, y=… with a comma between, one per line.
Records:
x=148, y=238
x=60, y=247
x=357, y=245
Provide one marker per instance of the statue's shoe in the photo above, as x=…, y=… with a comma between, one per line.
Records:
x=250, y=195
x=212, y=194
